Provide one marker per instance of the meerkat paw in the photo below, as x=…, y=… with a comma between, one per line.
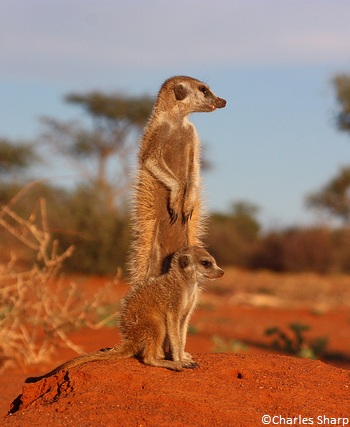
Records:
x=173, y=216
x=189, y=204
x=187, y=210
x=187, y=356
x=161, y=363
x=173, y=212
x=173, y=366
x=174, y=204
x=186, y=217
x=188, y=362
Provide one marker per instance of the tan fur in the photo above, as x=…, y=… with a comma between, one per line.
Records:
x=156, y=312
x=166, y=204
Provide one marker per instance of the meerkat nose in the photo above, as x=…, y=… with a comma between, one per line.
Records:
x=220, y=272
x=220, y=102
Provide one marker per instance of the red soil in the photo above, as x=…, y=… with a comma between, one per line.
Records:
x=227, y=389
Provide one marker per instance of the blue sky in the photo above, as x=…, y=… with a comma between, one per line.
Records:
x=272, y=61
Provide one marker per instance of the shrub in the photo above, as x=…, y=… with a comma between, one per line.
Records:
x=294, y=342
x=81, y=218
x=317, y=249
x=232, y=237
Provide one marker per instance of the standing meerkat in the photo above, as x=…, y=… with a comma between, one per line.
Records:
x=166, y=204
x=156, y=311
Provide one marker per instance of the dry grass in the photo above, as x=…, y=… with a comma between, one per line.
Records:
x=264, y=287
x=38, y=308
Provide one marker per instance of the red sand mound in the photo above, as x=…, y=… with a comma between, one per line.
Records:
x=226, y=390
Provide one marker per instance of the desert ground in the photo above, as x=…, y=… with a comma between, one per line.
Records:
x=242, y=375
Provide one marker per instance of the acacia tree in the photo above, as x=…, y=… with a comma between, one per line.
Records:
x=15, y=156
x=107, y=136
x=334, y=197
x=98, y=147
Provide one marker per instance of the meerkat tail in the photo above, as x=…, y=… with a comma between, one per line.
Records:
x=120, y=352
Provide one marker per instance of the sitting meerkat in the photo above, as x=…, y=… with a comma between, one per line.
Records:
x=158, y=311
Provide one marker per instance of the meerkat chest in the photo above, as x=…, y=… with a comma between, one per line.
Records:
x=190, y=297
x=179, y=148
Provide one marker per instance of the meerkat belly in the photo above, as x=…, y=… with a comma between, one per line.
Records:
x=177, y=151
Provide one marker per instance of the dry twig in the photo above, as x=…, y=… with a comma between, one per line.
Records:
x=36, y=306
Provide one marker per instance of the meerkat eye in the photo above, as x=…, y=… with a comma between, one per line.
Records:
x=204, y=90
x=206, y=263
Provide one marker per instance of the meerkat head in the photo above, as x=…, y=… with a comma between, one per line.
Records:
x=196, y=261
x=189, y=95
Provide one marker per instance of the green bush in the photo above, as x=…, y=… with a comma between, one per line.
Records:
x=293, y=341
x=232, y=237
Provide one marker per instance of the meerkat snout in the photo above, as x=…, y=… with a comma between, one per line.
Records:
x=215, y=273
x=211, y=271
x=220, y=102
x=196, y=260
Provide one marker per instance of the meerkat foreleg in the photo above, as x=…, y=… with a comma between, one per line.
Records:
x=186, y=357
x=176, y=342
x=173, y=333
x=192, y=184
x=161, y=171
x=191, y=195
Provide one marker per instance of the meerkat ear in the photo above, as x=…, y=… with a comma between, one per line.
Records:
x=180, y=92
x=184, y=261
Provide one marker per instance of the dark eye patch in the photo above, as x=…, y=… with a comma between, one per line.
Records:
x=206, y=263
x=204, y=90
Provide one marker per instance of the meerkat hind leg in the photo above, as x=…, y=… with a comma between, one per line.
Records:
x=162, y=363
x=153, y=353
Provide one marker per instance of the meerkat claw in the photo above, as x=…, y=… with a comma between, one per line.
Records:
x=190, y=365
x=173, y=216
